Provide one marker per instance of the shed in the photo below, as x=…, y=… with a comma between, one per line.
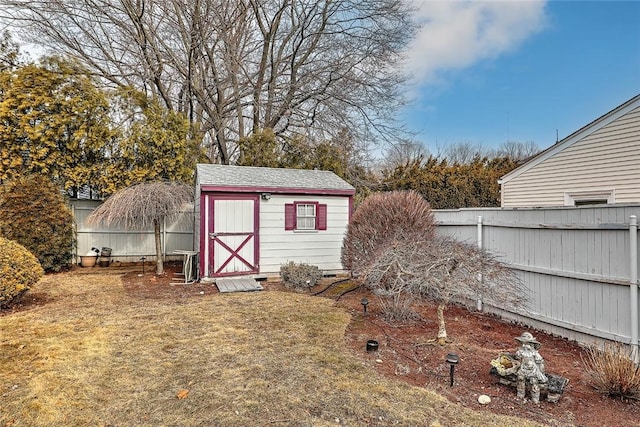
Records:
x=251, y=220
x=597, y=164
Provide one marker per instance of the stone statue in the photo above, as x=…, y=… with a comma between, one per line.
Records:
x=531, y=369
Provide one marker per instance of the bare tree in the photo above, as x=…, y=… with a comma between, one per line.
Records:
x=403, y=152
x=10, y=56
x=303, y=67
x=143, y=205
x=517, y=150
x=392, y=247
x=464, y=152
x=442, y=270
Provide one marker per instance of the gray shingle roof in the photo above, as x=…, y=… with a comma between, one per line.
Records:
x=258, y=177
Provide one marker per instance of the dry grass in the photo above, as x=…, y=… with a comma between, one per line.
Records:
x=93, y=356
x=612, y=371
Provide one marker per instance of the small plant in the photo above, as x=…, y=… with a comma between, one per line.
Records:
x=19, y=269
x=398, y=308
x=612, y=372
x=299, y=275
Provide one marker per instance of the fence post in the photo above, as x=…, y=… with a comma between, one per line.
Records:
x=479, y=229
x=633, y=273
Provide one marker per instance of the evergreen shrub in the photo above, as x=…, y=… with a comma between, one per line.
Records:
x=300, y=276
x=33, y=213
x=19, y=270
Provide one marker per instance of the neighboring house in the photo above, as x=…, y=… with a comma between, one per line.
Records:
x=251, y=220
x=598, y=164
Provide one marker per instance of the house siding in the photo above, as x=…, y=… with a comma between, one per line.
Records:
x=607, y=159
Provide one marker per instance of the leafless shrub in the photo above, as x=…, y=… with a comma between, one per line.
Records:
x=378, y=220
x=300, y=276
x=388, y=279
x=398, y=307
x=465, y=273
x=611, y=371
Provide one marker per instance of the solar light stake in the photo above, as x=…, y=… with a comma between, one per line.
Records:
x=142, y=259
x=364, y=303
x=452, y=360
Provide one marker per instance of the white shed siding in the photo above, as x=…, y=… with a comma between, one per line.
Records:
x=607, y=159
x=319, y=248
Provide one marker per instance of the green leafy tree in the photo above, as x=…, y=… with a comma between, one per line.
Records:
x=53, y=121
x=340, y=155
x=33, y=213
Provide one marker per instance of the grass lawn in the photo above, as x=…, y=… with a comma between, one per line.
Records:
x=94, y=356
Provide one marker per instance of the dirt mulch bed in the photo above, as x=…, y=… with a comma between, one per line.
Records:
x=407, y=353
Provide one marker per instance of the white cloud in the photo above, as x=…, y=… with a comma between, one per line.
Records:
x=457, y=34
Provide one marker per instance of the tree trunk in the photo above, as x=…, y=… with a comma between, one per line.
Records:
x=159, y=262
x=442, y=329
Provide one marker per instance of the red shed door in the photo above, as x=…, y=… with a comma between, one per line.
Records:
x=233, y=235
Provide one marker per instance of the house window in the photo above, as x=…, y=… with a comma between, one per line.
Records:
x=590, y=202
x=305, y=216
x=593, y=197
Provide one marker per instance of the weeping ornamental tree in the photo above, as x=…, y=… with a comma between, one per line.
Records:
x=441, y=270
x=392, y=246
x=143, y=205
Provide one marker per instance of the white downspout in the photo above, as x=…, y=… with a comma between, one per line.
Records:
x=633, y=273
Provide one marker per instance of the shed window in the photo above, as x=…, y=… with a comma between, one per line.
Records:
x=305, y=216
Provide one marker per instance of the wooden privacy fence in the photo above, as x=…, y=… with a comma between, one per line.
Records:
x=578, y=265
x=131, y=245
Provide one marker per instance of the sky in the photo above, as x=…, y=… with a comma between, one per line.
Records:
x=487, y=72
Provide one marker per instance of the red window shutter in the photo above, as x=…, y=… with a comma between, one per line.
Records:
x=289, y=216
x=321, y=217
